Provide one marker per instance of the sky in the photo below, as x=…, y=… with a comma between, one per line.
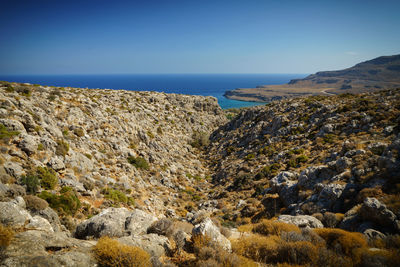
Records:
x=188, y=36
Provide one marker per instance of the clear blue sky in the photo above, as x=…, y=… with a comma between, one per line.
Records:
x=277, y=36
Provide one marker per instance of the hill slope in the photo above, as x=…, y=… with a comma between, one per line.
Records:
x=376, y=74
x=276, y=184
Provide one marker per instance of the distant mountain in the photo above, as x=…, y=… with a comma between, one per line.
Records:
x=372, y=75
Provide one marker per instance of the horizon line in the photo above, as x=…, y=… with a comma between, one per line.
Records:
x=172, y=73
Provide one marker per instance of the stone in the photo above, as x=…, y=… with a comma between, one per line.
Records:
x=313, y=175
x=301, y=221
x=329, y=194
x=373, y=210
x=40, y=223
x=28, y=144
x=110, y=222
x=342, y=164
x=14, y=169
x=154, y=244
x=208, y=228
x=13, y=125
x=285, y=184
x=51, y=216
x=12, y=214
x=56, y=163
x=138, y=222
x=372, y=234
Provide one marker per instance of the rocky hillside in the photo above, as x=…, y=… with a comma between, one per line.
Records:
x=369, y=76
x=122, y=178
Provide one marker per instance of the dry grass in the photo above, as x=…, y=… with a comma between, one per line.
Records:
x=272, y=249
x=109, y=252
x=6, y=235
x=272, y=227
x=343, y=242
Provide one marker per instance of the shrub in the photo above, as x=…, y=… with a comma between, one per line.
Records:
x=48, y=177
x=32, y=183
x=110, y=253
x=5, y=134
x=117, y=196
x=329, y=138
x=35, y=203
x=6, y=235
x=342, y=241
x=138, y=162
x=79, y=132
x=24, y=91
x=67, y=203
x=271, y=227
x=62, y=148
x=268, y=171
x=200, y=139
x=258, y=248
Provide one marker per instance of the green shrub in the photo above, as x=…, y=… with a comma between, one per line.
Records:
x=9, y=87
x=268, y=171
x=24, y=91
x=110, y=253
x=138, y=162
x=117, y=196
x=32, y=183
x=249, y=156
x=67, y=203
x=48, y=177
x=302, y=159
x=40, y=147
x=329, y=138
x=6, y=134
x=62, y=148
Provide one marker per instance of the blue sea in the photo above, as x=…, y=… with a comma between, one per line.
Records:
x=191, y=84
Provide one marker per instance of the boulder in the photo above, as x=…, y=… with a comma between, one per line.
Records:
x=208, y=228
x=14, y=169
x=28, y=144
x=41, y=248
x=154, y=244
x=301, y=221
x=56, y=163
x=313, y=175
x=13, y=214
x=110, y=222
x=51, y=216
x=372, y=234
x=13, y=125
x=139, y=221
x=373, y=210
x=329, y=194
x=40, y=223
x=285, y=184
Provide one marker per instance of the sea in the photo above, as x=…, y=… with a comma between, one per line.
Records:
x=190, y=84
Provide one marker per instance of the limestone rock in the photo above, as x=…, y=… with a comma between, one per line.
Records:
x=138, y=222
x=208, y=228
x=12, y=214
x=110, y=222
x=301, y=221
x=154, y=244
x=373, y=210
x=40, y=223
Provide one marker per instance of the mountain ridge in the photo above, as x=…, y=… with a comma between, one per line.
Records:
x=368, y=76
